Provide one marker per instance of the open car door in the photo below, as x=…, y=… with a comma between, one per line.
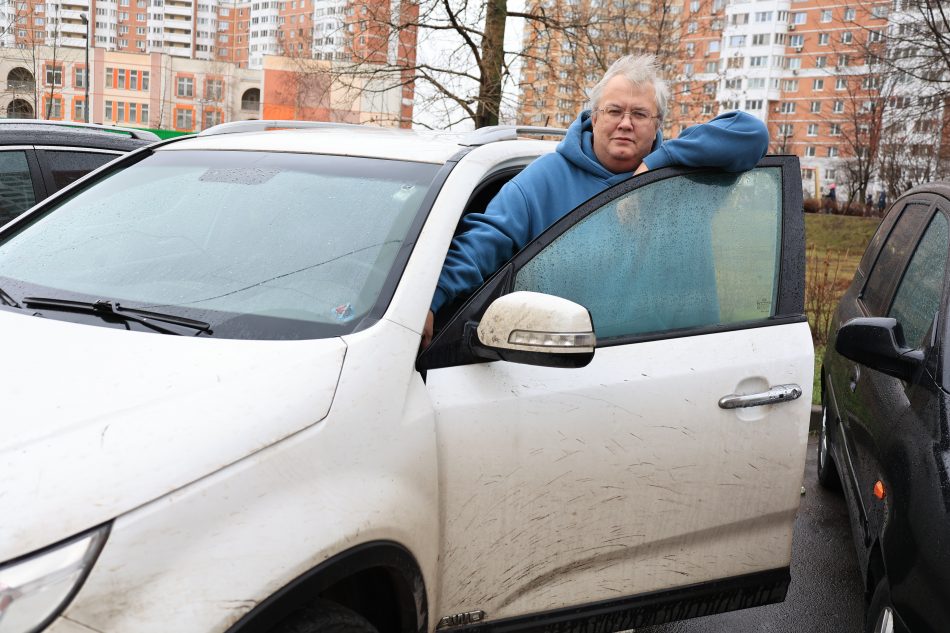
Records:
x=661, y=480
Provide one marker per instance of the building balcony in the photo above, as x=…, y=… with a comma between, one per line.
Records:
x=177, y=38
x=180, y=25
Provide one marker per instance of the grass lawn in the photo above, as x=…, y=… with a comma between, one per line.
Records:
x=835, y=245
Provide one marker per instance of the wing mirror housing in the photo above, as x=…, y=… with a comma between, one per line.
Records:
x=878, y=342
x=534, y=329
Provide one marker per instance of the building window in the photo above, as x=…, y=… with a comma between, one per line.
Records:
x=737, y=41
x=838, y=107
x=842, y=60
x=786, y=129
x=753, y=104
x=832, y=153
x=812, y=129
x=823, y=39
x=108, y=114
x=834, y=129
x=133, y=114
x=815, y=107
x=184, y=119
x=759, y=61
x=799, y=17
x=821, y=61
x=185, y=88
x=54, y=75
x=849, y=14
x=826, y=15
x=788, y=107
x=762, y=39
x=790, y=85
x=796, y=41
x=810, y=151
x=79, y=110
x=144, y=80
x=734, y=84
x=841, y=83
x=144, y=111
x=818, y=84
x=214, y=89
x=846, y=37
x=120, y=79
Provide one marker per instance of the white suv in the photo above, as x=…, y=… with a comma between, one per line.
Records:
x=287, y=461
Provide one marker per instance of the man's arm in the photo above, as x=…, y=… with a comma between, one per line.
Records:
x=734, y=141
x=487, y=240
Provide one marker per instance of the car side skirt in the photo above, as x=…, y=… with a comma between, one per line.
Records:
x=692, y=601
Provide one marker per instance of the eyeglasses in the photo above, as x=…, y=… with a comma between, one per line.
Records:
x=614, y=114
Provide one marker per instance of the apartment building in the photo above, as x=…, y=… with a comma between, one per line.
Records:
x=237, y=32
x=811, y=69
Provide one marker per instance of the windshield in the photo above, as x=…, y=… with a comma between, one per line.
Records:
x=259, y=245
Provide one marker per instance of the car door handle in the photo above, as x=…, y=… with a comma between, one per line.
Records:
x=778, y=393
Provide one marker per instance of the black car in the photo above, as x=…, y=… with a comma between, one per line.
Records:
x=38, y=158
x=885, y=430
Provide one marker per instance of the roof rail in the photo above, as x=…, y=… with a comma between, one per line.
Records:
x=136, y=133
x=262, y=125
x=493, y=133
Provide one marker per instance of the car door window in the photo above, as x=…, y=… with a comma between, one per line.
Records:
x=685, y=252
x=889, y=262
x=16, y=185
x=918, y=296
x=68, y=166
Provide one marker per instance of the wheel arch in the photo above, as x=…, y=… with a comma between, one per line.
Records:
x=379, y=580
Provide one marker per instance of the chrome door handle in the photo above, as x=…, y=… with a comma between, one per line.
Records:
x=778, y=393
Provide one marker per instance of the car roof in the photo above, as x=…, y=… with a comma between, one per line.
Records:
x=29, y=132
x=346, y=140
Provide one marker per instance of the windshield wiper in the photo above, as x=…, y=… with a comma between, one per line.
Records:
x=113, y=309
x=7, y=299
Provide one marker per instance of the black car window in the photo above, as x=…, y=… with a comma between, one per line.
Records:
x=685, y=252
x=883, y=275
x=16, y=186
x=918, y=296
x=68, y=166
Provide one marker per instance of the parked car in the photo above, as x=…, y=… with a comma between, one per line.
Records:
x=38, y=158
x=610, y=432
x=884, y=434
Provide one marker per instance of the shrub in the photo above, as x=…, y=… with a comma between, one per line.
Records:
x=812, y=205
x=822, y=291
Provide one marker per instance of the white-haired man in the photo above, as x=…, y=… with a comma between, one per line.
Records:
x=618, y=136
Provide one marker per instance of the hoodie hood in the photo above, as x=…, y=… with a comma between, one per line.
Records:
x=578, y=148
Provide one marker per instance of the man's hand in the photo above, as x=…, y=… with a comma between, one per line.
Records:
x=427, y=330
x=642, y=168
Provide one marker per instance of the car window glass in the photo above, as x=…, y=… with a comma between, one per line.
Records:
x=688, y=251
x=16, y=186
x=218, y=236
x=66, y=167
x=918, y=295
x=882, y=276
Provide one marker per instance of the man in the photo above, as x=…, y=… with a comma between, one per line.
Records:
x=619, y=136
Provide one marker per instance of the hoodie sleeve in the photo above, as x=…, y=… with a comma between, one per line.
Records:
x=485, y=242
x=734, y=141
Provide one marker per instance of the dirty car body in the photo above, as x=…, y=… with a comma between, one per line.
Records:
x=224, y=424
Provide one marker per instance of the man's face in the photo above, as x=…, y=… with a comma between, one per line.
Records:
x=620, y=145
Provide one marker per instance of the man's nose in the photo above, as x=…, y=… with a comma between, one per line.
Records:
x=626, y=121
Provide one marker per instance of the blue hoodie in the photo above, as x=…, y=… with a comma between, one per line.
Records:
x=556, y=183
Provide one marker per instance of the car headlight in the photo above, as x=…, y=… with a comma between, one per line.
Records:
x=36, y=588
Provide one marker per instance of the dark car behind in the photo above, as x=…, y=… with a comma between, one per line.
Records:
x=884, y=434
x=38, y=158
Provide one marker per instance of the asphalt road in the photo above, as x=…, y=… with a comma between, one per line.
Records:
x=826, y=592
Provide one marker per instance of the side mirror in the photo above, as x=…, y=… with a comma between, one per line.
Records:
x=534, y=329
x=878, y=342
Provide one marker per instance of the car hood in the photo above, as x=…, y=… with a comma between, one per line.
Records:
x=97, y=421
